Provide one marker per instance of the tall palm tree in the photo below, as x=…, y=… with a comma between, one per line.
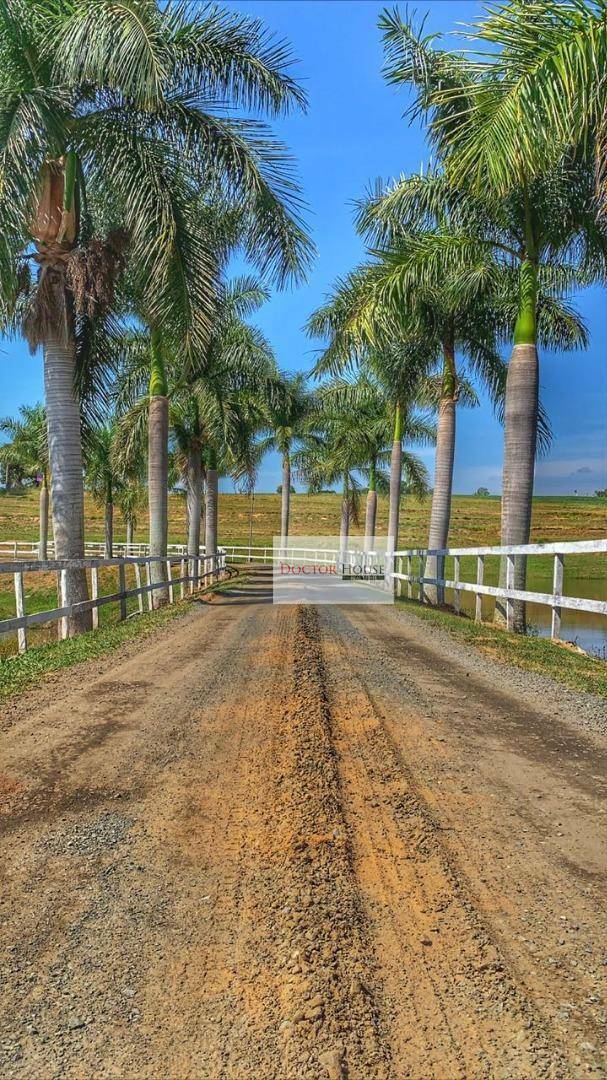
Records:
x=209, y=404
x=540, y=93
x=108, y=115
x=237, y=373
x=373, y=407
x=285, y=422
x=103, y=477
x=131, y=498
x=187, y=426
x=460, y=311
x=470, y=305
x=27, y=447
x=546, y=229
x=400, y=358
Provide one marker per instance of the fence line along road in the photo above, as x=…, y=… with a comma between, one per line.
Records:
x=399, y=569
x=193, y=572
x=556, y=600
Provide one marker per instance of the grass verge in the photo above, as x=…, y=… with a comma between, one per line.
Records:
x=530, y=653
x=18, y=673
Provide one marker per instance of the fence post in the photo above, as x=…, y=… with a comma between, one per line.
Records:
x=457, y=597
x=148, y=578
x=122, y=588
x=170, y=580
x=420, y=584
x=409, y=582
x=138, y=584
x=557, y=591
x=440, y=573
x=480, y=574
x=64, y=622
x=20, y=610
x=182, y=574
x=95, y=596
x=509, y=585
x=399, y=584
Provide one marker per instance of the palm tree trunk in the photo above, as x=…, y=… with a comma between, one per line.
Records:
x=211, y=501
x=396, y=465
x=344, y=529
x=194, y=500
x=371, y=507
x=251, y=508
x=285, y=500
x=43, y=530
x=129, y=534
x=158, y=470
x=521, y=410
x=109, y=529
x=65, y=466
x=440, y=513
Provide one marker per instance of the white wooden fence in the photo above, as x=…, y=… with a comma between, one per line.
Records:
x=400, y=571
x=555, y=600
x=194, y=571
x=27, y=549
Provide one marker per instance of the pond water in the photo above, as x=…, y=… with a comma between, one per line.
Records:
x=585, y=629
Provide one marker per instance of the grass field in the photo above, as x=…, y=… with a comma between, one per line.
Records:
x=475, y=521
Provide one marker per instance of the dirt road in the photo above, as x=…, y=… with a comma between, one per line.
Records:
x=279, y=842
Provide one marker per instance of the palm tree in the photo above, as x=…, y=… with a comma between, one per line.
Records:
x=350, y=435
x=103, y=477
x=209, y=405
x=373, y=407
x=374, y=401
x=27, y=448
x=108, y=116
x=330, y=453
x=545, y=229
x=540, y=93
x=188, y=431
x=400, y=359
x=285, y=422
x=458, y=310
x=131, y=498
x=237, y=374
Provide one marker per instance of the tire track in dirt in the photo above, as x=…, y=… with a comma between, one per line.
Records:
x=315, y=940
x=522, y=824
x=207, y=924
x=455, y=1008
x=272, y=896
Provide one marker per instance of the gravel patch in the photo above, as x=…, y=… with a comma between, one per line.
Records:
x=584, y=711
x=88, y=838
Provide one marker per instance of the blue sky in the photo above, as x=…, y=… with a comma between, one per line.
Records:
x=353, y=133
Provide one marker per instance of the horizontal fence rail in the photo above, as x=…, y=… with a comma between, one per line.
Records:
x=195, y=571
x=399, y=570
x=27, y=549
x=555, y=600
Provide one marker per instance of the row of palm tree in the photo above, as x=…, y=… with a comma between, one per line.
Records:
x=110, y=129
x=222, y=421
x=485, y=246
x=143, y=188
